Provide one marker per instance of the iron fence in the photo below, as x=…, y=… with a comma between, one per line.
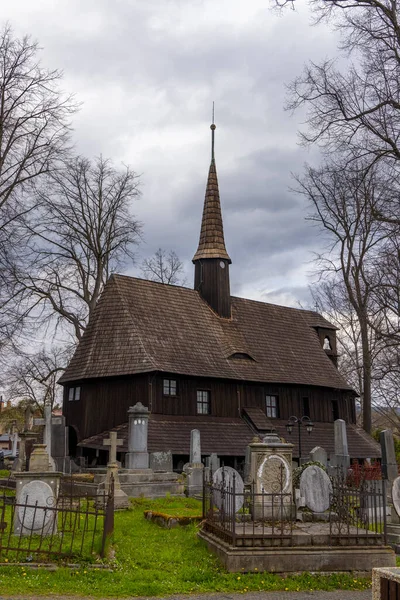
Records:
x=61, y=527
x=252, y=517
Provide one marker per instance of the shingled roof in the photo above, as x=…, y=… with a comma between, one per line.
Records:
x=229, y=437
x=141, y=326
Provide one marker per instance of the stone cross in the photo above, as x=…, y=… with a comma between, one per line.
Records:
x=113, y=442
x=195, y=447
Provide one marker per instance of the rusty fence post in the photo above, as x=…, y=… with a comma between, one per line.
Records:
x=108, y=518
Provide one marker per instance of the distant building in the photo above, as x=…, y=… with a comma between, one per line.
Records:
x=199, y=358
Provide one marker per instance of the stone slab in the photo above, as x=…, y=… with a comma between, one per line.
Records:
x=320, y=455
x=35, y=515
x=396, y=495
x=161, y=461
x=315, y=487
x=302, y=559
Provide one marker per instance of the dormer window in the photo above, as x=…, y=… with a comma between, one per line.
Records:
x=241, y=356
x=327, y=343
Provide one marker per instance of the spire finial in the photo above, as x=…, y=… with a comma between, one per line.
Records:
x=212, y=127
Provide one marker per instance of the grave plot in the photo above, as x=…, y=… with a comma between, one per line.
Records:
x=324, y=522
x=38, y=526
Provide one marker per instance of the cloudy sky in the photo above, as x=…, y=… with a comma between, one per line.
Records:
x=147, y=71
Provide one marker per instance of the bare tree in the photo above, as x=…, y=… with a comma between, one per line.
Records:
x=341, y=197
x=164, y=267
x=34, y=127
x=34, y=377
x=81, y=230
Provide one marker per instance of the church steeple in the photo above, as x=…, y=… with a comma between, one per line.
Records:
x=211, y=260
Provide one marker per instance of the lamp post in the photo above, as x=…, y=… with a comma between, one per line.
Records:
x=306, y=421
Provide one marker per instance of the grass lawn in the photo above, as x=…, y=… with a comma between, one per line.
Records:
x=151, y=561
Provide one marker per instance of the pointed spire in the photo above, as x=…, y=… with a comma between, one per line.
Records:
x=212, y=243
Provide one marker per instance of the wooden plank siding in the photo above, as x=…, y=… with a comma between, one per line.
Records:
x=104, y=402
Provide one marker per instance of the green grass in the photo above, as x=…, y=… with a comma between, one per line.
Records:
x=151, y=561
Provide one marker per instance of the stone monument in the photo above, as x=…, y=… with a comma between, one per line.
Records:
x=320, y=455
x=271, y=471
x=195, y=471
x=46, y=423
x=26, y=436
x=120, y=498
x=137, y=456
x=389, y=464
x=316, y=489
x=228, y=490
x=37, y=485
x=341, y=458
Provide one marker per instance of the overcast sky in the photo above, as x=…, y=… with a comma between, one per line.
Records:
x=146, y=72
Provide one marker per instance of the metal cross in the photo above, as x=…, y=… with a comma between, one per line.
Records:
x=113, y=442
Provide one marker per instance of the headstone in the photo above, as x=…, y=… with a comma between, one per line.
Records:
x=47, y=433
x=59, y=443
x=228, y=490
x=35, y=512
x=195, y=447
x=40, y=460
x=161, y=461
x=186, y=467
x=341, y=458
x=137, y=456
x=316, y=488
x=389, y=463
x=320, y=455
x=195, y=475
x=247, y=465
x=15, y=439
x=213, y=462
x=396, y=495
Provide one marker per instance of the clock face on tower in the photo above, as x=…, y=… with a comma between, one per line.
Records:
x=222, y=264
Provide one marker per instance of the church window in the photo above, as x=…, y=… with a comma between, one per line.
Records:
x=327, y=344
x=272, y=406
x=203, y=402
x=335, y=409
x=305, y=407
x=74, y=393
x=169, y=387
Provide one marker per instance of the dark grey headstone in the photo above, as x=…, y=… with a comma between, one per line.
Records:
x=389, y=463
x=161, y=461
x=226, y=479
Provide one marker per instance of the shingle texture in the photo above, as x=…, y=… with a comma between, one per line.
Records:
x=229, y=437
x=141, y=326
x=212, y=243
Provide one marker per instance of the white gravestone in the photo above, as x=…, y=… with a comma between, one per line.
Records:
x=396, y=495
x=274, y=475
x=35, y=513
x=316, y=488
x=320, y=455
x=226, y=479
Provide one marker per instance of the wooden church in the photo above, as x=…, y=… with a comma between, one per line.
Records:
x=203, y=359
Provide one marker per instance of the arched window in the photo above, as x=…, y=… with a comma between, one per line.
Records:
x=327, y=343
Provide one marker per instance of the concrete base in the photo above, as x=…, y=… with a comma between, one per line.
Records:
x=297, y=559
x=148, y=484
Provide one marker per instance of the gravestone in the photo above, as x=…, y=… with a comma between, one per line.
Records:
x=316, y=488
x=137, y=456
x=320, y=455
x=47, y=433
x=59, y=443
x=271, y=471
x=341, y=458
x=389, y=463
x=15, y=439
x=213, y=462
x=161, y=461
x=35, y=512
x=195, y=447
x=228, y=490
